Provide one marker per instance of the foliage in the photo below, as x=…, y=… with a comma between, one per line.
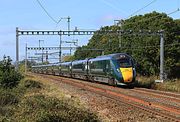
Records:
x=9, y=77
x=173, y=86
x=44, y=63
x=32, y=84
x=49, y=109
x=146, y=82
x=144, y=48
x=149, y=82
x=22, y=65
x=68, y=58
x=27, y=102
x=29, y=63
x=8, y=97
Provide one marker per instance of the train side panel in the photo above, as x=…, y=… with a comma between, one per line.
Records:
x=65, y=69
x=99, y=70
x=114, y=69
x=57, y=69
x=79, y=69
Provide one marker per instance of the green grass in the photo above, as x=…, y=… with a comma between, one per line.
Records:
x=29, y=83
x=8, y=97
x=28, y=102
x=168, y=85
x=145, y=82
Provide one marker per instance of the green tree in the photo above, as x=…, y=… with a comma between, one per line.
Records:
x=68, y=58
x=144, y=48
x=22, y=65
x=9, y=77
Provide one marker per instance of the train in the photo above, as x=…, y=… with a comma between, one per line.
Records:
x=113, y=69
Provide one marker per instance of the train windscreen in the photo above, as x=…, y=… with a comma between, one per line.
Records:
x=124, y=62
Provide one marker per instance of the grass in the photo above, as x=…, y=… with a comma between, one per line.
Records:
x=37, y=101
x=145, y=82
x=168, y=85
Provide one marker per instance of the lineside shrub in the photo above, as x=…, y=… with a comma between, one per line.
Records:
x=9, y=77
x=7, y=97
x=28, y=103
x=28, y=83
x=50, y=109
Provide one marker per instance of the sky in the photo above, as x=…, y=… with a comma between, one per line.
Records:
x=84, y=14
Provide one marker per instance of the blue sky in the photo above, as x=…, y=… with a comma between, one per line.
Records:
x=85, y=14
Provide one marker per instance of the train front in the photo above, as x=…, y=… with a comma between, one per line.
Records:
x=125, y=69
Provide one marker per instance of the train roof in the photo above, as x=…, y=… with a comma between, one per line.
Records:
x=114, y=55
x=65, y=63
x=104, y=57
x=53, y=64
x=110, y=56
x=79, y=61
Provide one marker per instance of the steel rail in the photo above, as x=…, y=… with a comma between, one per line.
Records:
x=161, y=95
x=143, y=105
x=160, y=92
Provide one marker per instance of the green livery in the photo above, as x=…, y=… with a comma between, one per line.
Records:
x=114, y=69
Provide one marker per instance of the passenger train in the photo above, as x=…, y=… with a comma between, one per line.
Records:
x=114, y=69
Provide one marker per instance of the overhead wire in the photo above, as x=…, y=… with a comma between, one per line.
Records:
x=145, y=47
x=46, y=12
x=161, y=15
x=143, y=8
x=60, y=21
x=175, y=11
x=114, y=7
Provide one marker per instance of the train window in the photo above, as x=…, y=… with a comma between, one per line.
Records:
x=107, y=64
x=92, y=65
x=125, y=62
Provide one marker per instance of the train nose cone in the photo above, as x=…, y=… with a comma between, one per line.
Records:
x=127, y=74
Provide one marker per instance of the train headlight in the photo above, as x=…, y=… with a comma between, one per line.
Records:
x=118, y=70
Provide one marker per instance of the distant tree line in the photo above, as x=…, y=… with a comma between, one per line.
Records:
x=145, y=48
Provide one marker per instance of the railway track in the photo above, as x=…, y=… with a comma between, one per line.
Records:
x=164, y=95
x=168, y=112
x=169, y=94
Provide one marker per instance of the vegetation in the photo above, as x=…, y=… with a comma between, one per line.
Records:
x=9, y=77
x=22, y=65
x=29, y=102
x=25, y=100
x=68, y=58
x=146, y=82
x=144, y=48
x=173, y=86
x=169, y=85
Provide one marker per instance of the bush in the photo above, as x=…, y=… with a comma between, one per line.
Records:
x=9, y=77
x=145, y=82
x=24, y=103
x=173, y=86
x=32, y=84
x=7, y=97
x=49, y=109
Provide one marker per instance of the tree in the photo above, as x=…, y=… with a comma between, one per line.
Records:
x=145, y=49
x=68, y=58
x=22, y=65
x=8, y=76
